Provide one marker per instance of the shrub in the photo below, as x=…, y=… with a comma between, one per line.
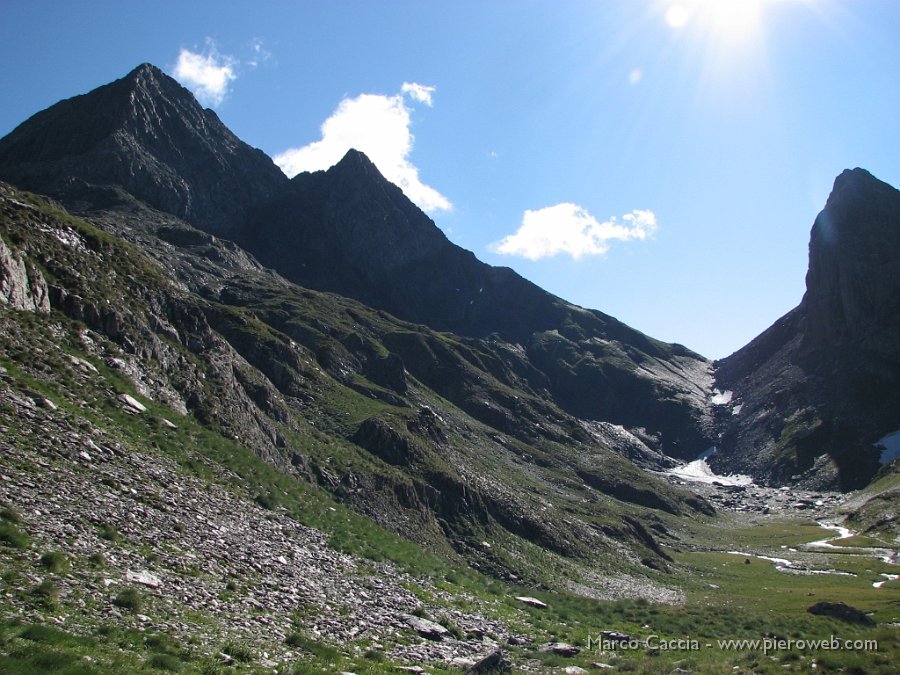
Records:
x=10, y=515
x=373, y=654
x=447, y=622
x=165, y=662
x=13, y=536
x=295, y=640
x=55, y=561
x=109, y=532
x=46, y=593
x=266, y=500
x=238, y=652
x=129, y=599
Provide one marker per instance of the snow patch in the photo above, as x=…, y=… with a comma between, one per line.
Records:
x=890, y=445
x=721, y=397
x=887, y=578
x=698, y=471
x=737, y=409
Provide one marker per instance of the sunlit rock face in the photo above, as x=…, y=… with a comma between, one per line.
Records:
x=22, y=286
x=820, y=386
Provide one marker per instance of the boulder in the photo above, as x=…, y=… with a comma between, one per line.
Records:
x=494, y=662
x=430, y=630
x=560, y=649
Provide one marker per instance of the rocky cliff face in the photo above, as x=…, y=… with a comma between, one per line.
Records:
x=820, y=386
x=22, y=287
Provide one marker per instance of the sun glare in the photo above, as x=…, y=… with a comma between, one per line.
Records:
x=723, y=45
x=734, y=18
x=726, y=21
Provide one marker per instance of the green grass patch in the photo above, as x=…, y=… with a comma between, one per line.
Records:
x=863, y=541
x=10, y=515
x=130, y=599
x=109, y=532
x=12, y=536
x=240, y=652
x=55, y=561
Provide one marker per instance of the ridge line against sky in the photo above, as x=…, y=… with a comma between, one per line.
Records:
x=380, y=126
x=659, y=160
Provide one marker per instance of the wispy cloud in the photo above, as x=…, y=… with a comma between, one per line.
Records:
x=208, y=74
x=379, y=126
x=570, y=229
x=418, y=92
x=259, y=53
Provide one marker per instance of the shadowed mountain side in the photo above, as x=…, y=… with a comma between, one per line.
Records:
x=147, y=134
x=820, y=386
x=350, y=231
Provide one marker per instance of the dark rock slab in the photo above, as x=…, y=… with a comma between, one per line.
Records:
x=841, y=611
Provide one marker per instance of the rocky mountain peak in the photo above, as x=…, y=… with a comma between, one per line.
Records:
x=147, y=134
x=852, y=184
x=146, y=71
x=356, y=161
x=853, y=255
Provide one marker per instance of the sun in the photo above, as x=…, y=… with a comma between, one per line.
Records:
x=725, y=21
x=724, y=44
x=734, y=19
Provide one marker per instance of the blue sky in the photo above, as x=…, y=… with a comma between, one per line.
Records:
x=659, y=160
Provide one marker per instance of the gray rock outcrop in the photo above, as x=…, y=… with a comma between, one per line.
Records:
x=22, y=286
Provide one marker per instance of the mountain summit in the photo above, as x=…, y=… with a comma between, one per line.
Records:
x=147, y=135
x=819, y=387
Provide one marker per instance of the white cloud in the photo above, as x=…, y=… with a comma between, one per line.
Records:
x=635, y=76
x=568, y=228
x=418, y=92
x=208, y=75
x=379, y=126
